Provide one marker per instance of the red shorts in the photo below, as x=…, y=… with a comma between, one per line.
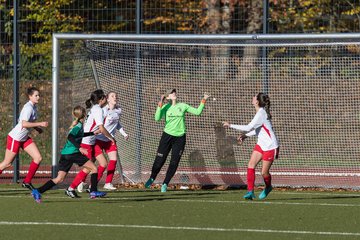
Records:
x=14, y=145
x=90, y=150
x=267, y=155
x=106, y=146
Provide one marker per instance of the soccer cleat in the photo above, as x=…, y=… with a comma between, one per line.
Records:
x=250, y=195
x=265, y=193
x=71, y=193
x=36, y=195
x=109, y=186
x=97, y=194
x=164, y=187
x=149, y=182
x=81, y=187
x=28, y=186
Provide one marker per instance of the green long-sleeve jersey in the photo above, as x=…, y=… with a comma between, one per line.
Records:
x=175, y=116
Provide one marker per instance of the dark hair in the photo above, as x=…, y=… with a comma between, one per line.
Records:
x=95, y=97
x=30, y=91
x=264, y=101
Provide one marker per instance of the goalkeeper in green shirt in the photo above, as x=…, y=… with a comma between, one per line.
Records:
x=174, y=135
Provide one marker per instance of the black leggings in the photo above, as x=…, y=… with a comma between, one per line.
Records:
x=167, y=143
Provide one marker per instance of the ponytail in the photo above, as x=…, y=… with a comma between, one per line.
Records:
x=74, y=123
x=88, y=103
x=78, y=114
x=95, y=97
x=264, y=101
x=267, y=109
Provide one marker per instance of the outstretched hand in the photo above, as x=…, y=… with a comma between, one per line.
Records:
x=241, y=138
x=226, y=124
x=83, y=151
x=206, y=96
x=162, y=98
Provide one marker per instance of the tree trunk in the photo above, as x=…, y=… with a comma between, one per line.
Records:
x=250, y=52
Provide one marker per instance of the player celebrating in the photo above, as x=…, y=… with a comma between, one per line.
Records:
x=267, y=145
x=112, y=114
x=70, y=154
x=18, y=137
x=94, y=122
x=174, y=135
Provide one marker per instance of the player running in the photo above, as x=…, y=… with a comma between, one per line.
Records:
x=19, y=137
x=70, y=154
x=112, y=113
x=94, y=122
x=174, y=135
x=267, y=147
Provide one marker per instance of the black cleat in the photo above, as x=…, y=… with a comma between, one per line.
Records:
x=28, y=186
x=71, y=193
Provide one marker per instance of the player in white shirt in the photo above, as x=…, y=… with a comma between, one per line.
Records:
x=112, y=115
x=94, y=122
x=19, y=137
x=267, y=147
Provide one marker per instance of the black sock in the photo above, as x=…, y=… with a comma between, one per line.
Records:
x=94, y=182
x=48, y=185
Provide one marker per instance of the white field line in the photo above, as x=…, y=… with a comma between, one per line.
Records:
x=241, y=173
x=243, y=202
x=208, y=229
x=268, y=203
x=290, y=192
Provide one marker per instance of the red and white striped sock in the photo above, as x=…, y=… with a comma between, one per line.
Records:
x=110, y=171
x=101, y=171
x=267, y=181
x=78, y=179
x=32, y=170
x=250, y=179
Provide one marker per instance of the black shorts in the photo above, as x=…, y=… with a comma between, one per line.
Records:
x=67, y=160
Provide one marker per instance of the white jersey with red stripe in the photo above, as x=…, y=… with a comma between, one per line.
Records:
x=29, y=114
x=260, y=126
x=111, y=122
x=94, y=119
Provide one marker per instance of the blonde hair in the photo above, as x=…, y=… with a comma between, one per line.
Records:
x=78, y=113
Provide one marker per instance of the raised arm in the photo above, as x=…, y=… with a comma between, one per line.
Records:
x=197, y=111
x=161, y=109
x=256, y=122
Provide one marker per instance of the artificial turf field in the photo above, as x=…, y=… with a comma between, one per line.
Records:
x=184, y=214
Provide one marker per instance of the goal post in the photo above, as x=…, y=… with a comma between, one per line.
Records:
x=312, y=81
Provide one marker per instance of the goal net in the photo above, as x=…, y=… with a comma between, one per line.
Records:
x=313, y=85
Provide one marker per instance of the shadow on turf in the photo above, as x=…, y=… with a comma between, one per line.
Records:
x=170, y=195
x=143, y=198
x=319, y=197
x=14, y=193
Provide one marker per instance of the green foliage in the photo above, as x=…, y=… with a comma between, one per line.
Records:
x=320, y=16
x=181, y=16
x=167, y=16
x=47, y=18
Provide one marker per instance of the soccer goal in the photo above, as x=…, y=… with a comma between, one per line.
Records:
x=312, y=80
